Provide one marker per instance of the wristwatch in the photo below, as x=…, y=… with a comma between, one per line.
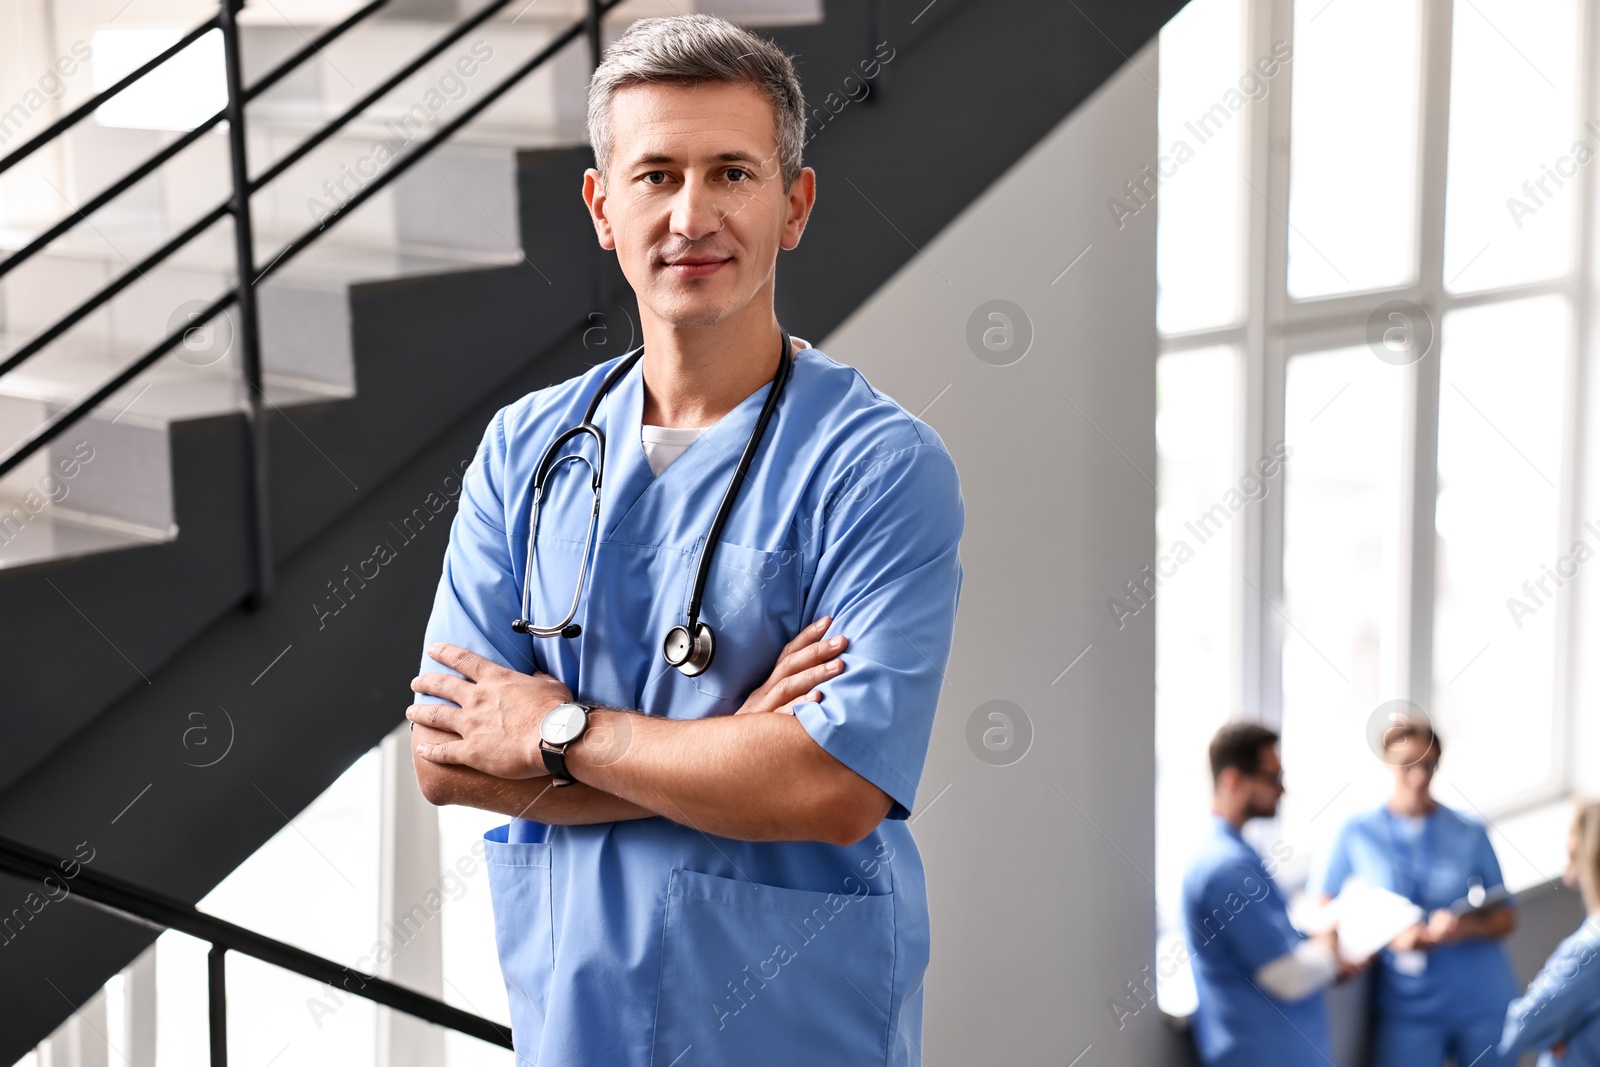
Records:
x=562, y=725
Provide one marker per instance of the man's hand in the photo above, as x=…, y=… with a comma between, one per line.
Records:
x=1330, y=938
x=804, y=663
x=498, y=719
x=1444, y=926
x=1413, y=938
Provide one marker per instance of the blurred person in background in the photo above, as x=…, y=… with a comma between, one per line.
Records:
x=1259, y=979
x=1560, y=1013
x=1442, y=985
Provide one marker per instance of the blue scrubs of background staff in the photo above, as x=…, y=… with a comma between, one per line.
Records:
x=1237, y=922
x=1456, y=1004
x=646, y=942
x=1562, y=1004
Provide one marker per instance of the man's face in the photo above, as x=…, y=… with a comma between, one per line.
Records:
x=1265, y=786
x=1415, y=760
x=694, y=205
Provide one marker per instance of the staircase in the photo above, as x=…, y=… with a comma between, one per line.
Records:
x=125, y=545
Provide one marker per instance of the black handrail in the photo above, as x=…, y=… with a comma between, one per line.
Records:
x=154, y=259
x=132, y=274
x=312, y=47
x=149, y=166
x=238, y=207
x=79, y=113
x=149, y=908
x=108, y=194
x=354, y=111
x=400, y=166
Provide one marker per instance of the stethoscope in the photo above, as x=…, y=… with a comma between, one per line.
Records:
x=690, y=645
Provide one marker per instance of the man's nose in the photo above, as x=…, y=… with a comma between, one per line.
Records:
x=696, y=209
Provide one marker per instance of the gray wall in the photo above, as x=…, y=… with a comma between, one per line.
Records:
x=1039, y=871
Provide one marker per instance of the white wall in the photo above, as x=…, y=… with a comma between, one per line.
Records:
x=1039, y=871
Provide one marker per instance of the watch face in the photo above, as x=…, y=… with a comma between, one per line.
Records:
x=563, y=723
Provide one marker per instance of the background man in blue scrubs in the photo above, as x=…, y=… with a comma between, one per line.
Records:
x=723, y=883
x=1259, y=979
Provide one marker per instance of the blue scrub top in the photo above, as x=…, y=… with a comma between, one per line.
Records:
x=1562, y=1004
x=1462, y=981
x=1237, y=921
x=646, y=942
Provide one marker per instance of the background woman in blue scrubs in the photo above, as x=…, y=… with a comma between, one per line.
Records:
x=1442, y=986
x=1560, y=1012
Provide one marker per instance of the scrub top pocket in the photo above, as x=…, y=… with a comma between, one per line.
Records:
x=519, y=887
x=752, y=604
x=754, y=973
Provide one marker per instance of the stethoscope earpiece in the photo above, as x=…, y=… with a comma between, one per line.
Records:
x=692, y=657
x=523, y=626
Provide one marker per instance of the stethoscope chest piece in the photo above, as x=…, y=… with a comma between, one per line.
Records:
x=691, y=656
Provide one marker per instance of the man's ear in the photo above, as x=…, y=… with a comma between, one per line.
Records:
x=594, y=198
x=802, y=196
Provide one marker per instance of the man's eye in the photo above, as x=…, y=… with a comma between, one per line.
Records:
x=654, y=174
x=731, y=171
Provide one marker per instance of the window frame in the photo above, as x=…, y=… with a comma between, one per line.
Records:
x=1274, y=328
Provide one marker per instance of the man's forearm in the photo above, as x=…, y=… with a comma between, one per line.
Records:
x=749, y=777
x=525, y=798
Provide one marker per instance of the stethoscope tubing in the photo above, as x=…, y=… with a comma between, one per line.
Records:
x=702, y=571
x=730, y=495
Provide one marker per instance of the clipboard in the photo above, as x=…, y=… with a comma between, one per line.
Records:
x=1491, y=899
x=1370, y=917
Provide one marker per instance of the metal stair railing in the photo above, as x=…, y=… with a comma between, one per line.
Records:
x=148, y=908
x=248, y=277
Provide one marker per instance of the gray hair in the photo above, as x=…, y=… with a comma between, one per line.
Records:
x=688, y=50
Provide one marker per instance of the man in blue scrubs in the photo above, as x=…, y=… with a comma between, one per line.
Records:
x=729, y=879
x=1259, y=979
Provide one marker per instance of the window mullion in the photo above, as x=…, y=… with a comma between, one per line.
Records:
x=1416, y=644
x=1260, y=595
x=1578, y=436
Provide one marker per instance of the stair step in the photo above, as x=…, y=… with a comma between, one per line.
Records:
x=478, y=162
x=328, y=259
x=121, y=497
x=35, y=296
x=170, y=390
x=30, y=537
x=311, y=313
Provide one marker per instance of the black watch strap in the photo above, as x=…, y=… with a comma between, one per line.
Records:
x=555, y=761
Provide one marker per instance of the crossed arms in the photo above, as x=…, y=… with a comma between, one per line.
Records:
x=886, y=530
x=756, y=775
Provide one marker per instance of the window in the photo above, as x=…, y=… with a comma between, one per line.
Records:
x=1498, y=520
x=1403, y=321
x=1197, y=536
x=1199, y=257
x=1339, y=625
x=1353, y=169
x=1511, y=211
